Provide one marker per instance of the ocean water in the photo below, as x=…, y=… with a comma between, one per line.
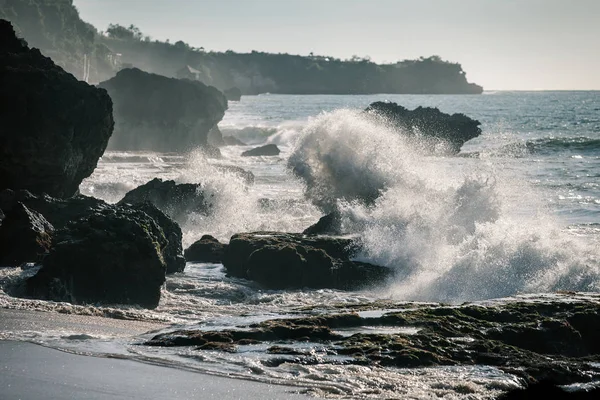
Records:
x=516, y=213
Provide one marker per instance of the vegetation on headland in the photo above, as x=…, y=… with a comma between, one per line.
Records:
x=55, y=27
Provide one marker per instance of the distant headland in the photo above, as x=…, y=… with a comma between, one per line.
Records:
x=94, y=56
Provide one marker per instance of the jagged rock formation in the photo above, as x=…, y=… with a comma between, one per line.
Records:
x=429, y=124
x=266, y=150
x=206, y=250
x=54, y=127
x=286, y=260
x=153, y=112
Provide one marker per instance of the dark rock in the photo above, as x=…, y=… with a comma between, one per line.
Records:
x=215, y=137
x=330, y=224
x=549, y=390
x=54, y=127
x=177, y=200
x=206, y=250
x=232, y=141
x=59, y=212
x=153, y=112
x=111, y=256
x=233, y=94
x=285, y=260
x=429, y=124
x=266, y=150
x=25, y=236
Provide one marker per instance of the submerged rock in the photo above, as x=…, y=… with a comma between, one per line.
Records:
x=177, y=200
x=153, y=112
x=206, y=250
x=285, y=260
x=110, y=256
x=54, y=127
x=429, y=124
x=266, y=150
x=25, y=236
x=233, y=94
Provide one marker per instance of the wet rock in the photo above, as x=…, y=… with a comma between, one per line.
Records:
x=285, y=260
x=153, y=112
x=206, y=250
x=233, y=94
x=111, y=256
x=25, y=236
x=232, y=141
x=429, y=124
x=266, y=150
x=549, y=390
x=330, y=224
x=177, y=200
x=54, y=127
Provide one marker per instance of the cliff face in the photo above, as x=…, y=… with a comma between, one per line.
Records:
x=153, y=112
x=54, y=127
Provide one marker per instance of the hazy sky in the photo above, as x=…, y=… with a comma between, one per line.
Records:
x=501, y=44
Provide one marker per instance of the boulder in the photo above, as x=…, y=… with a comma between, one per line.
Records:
x=153, y=112
x=232, y=141
x=59, y=212
x=286, y=261
x=176, y=200
x=54, y=127
x=267, y=150
x=25, y=236
x=430, y=124
x=330, y=224
x=206, y=250
x=233, y=94
x=110, y=256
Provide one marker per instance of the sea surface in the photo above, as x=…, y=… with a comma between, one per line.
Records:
x=515, y=215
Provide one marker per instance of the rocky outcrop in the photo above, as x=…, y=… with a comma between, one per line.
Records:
x=177, y=200
x=54, y=127
x=25, y=236
x=266, y=150
x=330, y=224
x=153, y=112
x=285, y=260
x=206, y=250
x=444, y=131
x=110, y=256
x=60, y=212
x=233, y=94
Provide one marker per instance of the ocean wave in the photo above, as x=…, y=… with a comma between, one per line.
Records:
x=283, y=134
x=572, y=144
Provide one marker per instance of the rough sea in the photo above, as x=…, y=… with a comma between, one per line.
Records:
x=515, y=215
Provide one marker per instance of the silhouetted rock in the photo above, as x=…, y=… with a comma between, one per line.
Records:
x=177, y=200
x=430, y=124
x=111, y=256
x=266, y=150
x=206, y=250
x=54, y=127
x=233, y=94
x=329, y=224
x=25, y=236
x=153, y=112
x=59, y=212
x=285, y=260
x=232, y=141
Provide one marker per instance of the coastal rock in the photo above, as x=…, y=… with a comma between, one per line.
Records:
x=285, y=260
x=176, y=200
x=233, y=94
x=215, y=137
x=153, y=112
x=266, y=150
x=330, y=224
x=206, y=250
x=111, y=256
x=25, y=236
x=59, y=212
x=232, y=141
x=429, y=124
x=54, y=127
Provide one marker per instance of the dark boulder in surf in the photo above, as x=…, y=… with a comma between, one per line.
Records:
x=330, y=224
x=266, y=150
x=153, y=112
x=54, y=127
x=177, y=200
x=286, y=261
x=444, y=131
x=233, y=94
x=25, y=236
x=111, y=256
x=206, y=250
x=59, y=212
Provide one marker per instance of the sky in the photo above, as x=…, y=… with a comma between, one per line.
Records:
x=501, y=44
